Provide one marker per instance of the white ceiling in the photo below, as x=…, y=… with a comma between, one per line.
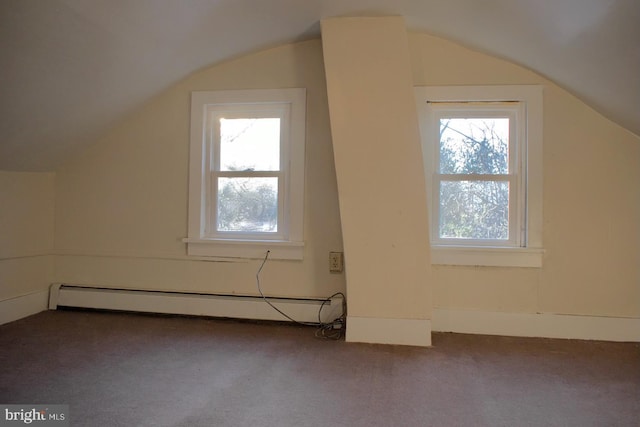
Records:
x=69, y=69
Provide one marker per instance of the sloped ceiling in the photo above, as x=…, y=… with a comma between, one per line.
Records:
x=69, y=69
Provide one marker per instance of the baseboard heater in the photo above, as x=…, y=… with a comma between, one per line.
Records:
x=192, y=303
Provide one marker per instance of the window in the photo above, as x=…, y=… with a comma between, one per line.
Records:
x=477, y=178
x=247, y=173
x=482, y=148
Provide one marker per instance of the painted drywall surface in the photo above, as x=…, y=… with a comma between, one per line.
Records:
x=121, y=208
x=380, y=173
x=591, y=202
x=592, y=213
x=122, y=198
x=486, y=288
x=26, y=232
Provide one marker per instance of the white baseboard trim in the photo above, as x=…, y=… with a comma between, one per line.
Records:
x=543, y=325
x=25, y=305
x=372, y=330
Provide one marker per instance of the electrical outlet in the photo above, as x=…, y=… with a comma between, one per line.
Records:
x=336, y=262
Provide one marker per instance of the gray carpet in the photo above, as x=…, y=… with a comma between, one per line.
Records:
x=117, y=369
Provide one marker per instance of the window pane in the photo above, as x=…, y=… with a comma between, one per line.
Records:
x=248, y=204
x=250, y=144
x=474, y=210
x=474, y=145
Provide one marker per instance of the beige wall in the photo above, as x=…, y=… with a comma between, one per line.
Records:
x=26, y=232
x=591, y=202
x=379, y=163
x=121, y=207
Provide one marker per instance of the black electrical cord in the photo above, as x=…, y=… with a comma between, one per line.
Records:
x=269, y=302
x=332, y=330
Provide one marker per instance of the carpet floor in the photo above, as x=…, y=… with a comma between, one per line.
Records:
x=122, y=369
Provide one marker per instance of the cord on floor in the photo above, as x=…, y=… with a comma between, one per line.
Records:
x=332, y=330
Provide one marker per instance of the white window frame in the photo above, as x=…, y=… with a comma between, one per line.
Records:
x=203, y=238
x=515, y=113
x=524, y=248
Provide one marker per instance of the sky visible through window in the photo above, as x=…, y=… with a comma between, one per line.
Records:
x=474, y=145
x=250, y=144
x=474, y=208
x=248, y=204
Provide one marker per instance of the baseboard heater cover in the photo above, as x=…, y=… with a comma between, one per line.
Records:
x=192, y=303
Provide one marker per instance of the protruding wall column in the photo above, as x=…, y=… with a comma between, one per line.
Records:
x=378, y=159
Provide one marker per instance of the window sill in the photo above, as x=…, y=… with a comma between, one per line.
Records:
x=252, y=249
x=489, y=256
